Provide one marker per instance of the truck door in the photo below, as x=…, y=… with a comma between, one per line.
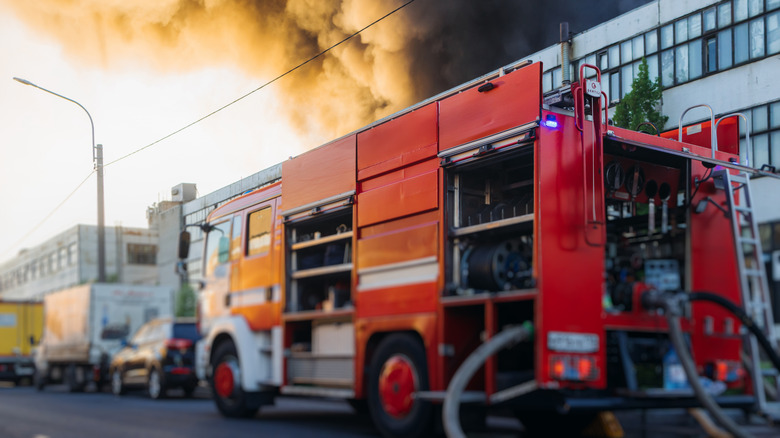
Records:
x=255, y=288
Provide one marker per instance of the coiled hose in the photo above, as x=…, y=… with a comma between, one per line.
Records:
x=506, y=338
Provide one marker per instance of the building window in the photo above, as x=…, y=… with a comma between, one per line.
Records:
x=614, y=56
x=667, y=68
x=771, y=4
x=603, y=60
x=755, y=7
x=710, y=22
x=741, y=43
x=757, y=38
x=681, y=31
x=694, y=59
x=141, y=254
x=724, y=15
x=694, y=26
x=627, y=79
x=625, y=52
x=711, y=55
x=760, y=145
x=773, y=33
x=614, y=86
x=651, y=42
x=724, y=49
x=740, y=10
x=681, y=65
x=638, y=47
x=760, y=119
x=667, y=36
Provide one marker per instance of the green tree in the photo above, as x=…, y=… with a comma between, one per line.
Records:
x=185, y=301
x=641, y=103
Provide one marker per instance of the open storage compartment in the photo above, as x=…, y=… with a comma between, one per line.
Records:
x=320, y=262
x=490, y=207
x=319, y=335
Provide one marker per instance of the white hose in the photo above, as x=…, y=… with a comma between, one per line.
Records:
x=471, y=365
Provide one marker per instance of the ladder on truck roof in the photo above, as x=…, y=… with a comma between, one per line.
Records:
x=753, y=281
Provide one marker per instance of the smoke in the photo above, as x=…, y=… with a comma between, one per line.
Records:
x=427, y=47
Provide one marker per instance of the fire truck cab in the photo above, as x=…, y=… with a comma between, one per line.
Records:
x=381, y=261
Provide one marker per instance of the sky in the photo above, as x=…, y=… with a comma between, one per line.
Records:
x=145, y=69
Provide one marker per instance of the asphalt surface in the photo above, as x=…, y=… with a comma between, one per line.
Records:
x=55, y=413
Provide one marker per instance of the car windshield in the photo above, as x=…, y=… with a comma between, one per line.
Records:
x=185, y=331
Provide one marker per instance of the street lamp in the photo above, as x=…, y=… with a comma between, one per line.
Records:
x=97, y=160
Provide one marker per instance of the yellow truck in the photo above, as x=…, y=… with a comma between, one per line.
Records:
x=21, y=325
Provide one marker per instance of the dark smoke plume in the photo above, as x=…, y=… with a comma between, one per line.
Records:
x=426, y=48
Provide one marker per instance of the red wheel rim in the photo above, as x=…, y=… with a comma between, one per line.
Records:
x=397, y=384
x=224, y=380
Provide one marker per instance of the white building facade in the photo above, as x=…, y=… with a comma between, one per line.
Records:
x=70, y=258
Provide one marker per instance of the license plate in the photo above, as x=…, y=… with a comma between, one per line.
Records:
x=573, y=342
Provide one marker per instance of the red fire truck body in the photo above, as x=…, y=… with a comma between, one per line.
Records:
x=382, y=260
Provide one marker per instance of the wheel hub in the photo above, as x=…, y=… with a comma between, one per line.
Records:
x=225, y=379
x=397, y=385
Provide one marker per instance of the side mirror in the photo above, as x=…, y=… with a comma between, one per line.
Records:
x=184, y=245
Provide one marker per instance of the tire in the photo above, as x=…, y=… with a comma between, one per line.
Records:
x=155, y=386
x=230, y=398
x=399, y=369
x=39, y=380
x=71, y=378
x=117, y=386
x=189, y=389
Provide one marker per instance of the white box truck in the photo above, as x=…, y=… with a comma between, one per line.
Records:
x=85, y=325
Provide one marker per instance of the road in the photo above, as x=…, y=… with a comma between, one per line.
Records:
x=55, y=413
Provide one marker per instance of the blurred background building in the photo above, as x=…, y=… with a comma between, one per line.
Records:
x=70, y=258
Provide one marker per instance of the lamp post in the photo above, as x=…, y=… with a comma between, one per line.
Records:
x=97, y=160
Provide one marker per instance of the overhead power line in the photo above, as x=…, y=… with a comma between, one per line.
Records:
x=51, y=213
x=39, y=224
x=262, y=86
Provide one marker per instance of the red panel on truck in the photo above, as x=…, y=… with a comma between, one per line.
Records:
x=397, y=143
x=700, y=134
x=514, y=100
x=407, y=195
x=320, y=173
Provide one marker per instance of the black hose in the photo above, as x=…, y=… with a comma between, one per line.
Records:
x=676, y=336
x=746, y=320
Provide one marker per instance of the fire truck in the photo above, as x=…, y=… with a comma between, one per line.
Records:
x=380, y=266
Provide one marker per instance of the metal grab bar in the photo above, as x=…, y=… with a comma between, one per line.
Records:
x=747, y=133
x=713, y=137
x=596, y=149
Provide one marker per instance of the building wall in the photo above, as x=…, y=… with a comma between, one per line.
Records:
x=721, y=53
x=70, y=258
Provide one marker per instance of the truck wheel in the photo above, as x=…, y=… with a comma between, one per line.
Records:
x=117, y=386
x=72, y=380
x=397, y=371
x=230, y=398
x=189, y=390
x=39, y=380
x=155, y=385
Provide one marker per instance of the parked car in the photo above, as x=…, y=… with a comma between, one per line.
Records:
x=160, y=356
